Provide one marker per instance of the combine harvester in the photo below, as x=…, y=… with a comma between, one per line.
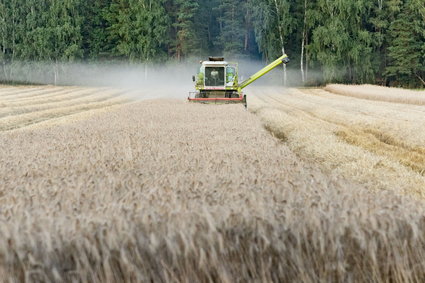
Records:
x=217, y=81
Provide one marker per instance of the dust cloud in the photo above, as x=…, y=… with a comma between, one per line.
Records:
x=169, y=80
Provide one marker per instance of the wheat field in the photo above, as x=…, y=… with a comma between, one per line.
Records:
x=378, y=144
x=97, y=186
x=379, y=93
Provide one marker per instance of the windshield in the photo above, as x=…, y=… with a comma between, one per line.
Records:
x=214, y=76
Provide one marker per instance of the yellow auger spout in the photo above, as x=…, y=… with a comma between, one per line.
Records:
x=283, y=59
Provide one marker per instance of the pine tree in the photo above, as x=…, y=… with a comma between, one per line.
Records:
x=407, y=46
x=185, y=38
x=207, y=27
x=231, y=27
x=383, y=14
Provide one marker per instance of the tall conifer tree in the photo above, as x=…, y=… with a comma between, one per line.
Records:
x=185, y=37
x=407, y=46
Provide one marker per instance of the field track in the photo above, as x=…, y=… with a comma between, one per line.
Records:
x=377, y=143
x=105, y=185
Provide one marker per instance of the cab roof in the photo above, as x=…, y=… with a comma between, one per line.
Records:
x=215, y=63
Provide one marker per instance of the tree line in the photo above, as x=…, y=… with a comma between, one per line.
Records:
x=347, y=41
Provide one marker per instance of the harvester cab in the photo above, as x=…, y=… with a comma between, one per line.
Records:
x=218, y=82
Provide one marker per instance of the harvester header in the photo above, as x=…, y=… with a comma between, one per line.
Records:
x=217, y=81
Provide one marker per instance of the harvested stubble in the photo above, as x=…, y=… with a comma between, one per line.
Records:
x=36, y=105
x=12, y=94
x=373, y=92
x=76, y=98
x=168, y=191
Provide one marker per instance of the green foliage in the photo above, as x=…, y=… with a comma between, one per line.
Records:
x=207, y=27
x=266, y=29
x=407, y=46
x=94, y=29
x=41, y=30
x=341, y=43
x=231, y=26
x=185, y=42
x=138, y=29
x=350, y=41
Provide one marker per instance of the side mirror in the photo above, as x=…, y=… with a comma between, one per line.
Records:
x=193, y=78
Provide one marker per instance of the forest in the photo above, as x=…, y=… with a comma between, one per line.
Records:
x=346, y=41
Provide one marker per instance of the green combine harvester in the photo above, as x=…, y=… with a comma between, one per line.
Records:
x=217, y=81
